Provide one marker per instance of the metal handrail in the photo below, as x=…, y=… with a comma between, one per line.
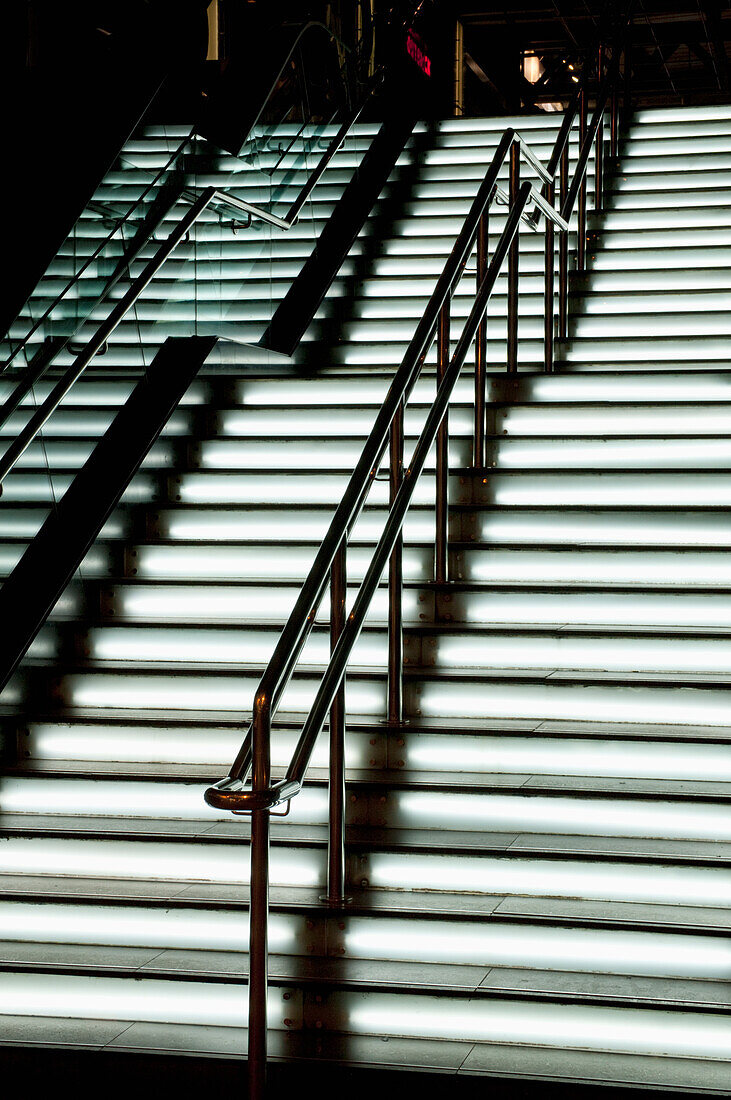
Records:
x=254, y=755
x=229, y=793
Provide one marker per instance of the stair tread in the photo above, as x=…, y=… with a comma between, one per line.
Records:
x=565, y=911
x=447, y=1060
x=231, y=719
x=377, y=779
x=348, y=973
x=375, y=839
x=414, y=673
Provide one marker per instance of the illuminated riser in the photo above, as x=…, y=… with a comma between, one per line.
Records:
x=133, y=926
x=269, y=561
x=35, y=486
x=639, y=610
x=200, y=693
x=74, y=455
x=673, y=392
x=170, y=744
x=553, y=425
x=706, y=217
x=622, y=419
x=325, y=488
x=663, y=656
x=305, y=453
x=661, y=568
x=653, y=324
x=609, y=527
x=642, y=454
x=570, y=756
x=641, y=254
x=181, y=745
x=266, y=525
x=240, y=604
x=565, y=949
x=575, y=702
x=696, y=352
x=633, y=1031
x=493, y=944
x=519, y=876
x=631, y=568
x=214, y=647
x=151, y=1001
x=491, y=753
x=23, y=521
x=70, y=423
x=531, y=488
x=97, y=562
x=591, y=1028
x=450, y=810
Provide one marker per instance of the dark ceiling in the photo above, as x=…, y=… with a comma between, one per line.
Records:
x=680, y=49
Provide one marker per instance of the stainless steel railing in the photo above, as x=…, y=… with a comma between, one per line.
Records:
x=258, y=797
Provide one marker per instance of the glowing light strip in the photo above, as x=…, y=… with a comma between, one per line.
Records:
x=654, y=884
x=536, y=755
x=632, y=1031
x=592, y=653
x=150, y=1000
x=154, y=861
x=600, y=951
x=130, y=926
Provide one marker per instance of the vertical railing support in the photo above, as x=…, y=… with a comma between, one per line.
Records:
x=336, y=790
x=563, y=256
x=478, y=450
x=513, y=265
x=599, y=144
x=614, y=115
x=259, y=906
x=442, y=481
x=396, y=581
x=548, y=285
x=581, y=216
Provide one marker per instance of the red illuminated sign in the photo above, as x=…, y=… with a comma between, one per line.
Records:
x=416, y=49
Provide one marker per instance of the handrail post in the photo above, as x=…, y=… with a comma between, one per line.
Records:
x=513, y=265
x=548, y=292
x=614, y=117
x=478, y=451
x=336, y=790
x=581, y=228
x=599, y=145
x=259, y=906
x=441, y=568
x=563, y=255
x=396, y=580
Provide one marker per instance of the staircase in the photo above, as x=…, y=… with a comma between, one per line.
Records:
x=539, y=859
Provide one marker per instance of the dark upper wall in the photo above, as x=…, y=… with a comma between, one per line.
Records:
x=79, y=76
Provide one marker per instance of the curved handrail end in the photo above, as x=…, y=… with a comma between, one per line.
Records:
x=231, y=795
